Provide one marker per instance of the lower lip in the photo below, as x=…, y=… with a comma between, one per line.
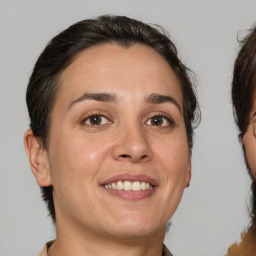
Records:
x=131, y=195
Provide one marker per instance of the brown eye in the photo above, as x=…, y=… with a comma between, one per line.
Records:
x=160, y=120
x=95, y=120
x=157, y=120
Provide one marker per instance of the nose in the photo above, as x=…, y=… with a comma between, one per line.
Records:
x=133, y=145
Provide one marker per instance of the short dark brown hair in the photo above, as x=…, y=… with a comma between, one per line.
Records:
x=61, y=50
x=243, y=95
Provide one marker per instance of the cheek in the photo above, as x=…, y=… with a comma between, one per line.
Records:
x=76, y=158
x=174, y=158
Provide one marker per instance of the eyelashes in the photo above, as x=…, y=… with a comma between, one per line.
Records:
x=156, y=119
x=95, y=120
x=160, y=120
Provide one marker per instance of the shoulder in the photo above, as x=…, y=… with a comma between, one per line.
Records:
x=166, y=252
x=247, y=246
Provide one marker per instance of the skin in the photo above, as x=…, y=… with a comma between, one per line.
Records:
x=90, y=219
x=249, y=141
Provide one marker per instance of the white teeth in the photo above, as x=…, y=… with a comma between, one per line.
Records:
x=129, y=186
x=120, y=185
x=136, y=186
x=113, y=185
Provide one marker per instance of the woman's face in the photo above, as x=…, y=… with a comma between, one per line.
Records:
x=118, y=155
x=249, y=140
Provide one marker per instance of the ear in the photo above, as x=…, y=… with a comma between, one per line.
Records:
x=188, y=174
x=249, y=144
x=38, y=159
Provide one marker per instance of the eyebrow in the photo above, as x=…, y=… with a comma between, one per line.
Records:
x=109, y=97
x=103, y=97
x=160, y=99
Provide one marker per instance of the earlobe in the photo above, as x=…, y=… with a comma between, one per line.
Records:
x=38, y=159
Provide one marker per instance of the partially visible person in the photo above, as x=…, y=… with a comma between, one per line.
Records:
x=244, y=103
x=111, y=108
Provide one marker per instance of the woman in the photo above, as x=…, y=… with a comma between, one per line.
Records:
x=244, y=102
x=111, y=109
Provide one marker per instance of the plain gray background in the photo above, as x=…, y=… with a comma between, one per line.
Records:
x=213, y=210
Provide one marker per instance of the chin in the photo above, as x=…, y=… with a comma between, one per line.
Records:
x=135, y=228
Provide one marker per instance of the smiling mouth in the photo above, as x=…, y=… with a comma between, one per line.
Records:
x=129, y=185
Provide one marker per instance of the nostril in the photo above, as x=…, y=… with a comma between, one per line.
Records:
x=127, y=156
x=124, y=156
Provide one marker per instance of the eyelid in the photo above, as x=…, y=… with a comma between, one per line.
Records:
x=162, y=114
x=94, y=125
x=95, y=113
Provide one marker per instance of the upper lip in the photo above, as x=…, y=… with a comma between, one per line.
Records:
x=130, y=177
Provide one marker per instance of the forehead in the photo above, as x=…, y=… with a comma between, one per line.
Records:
x=134, y=69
